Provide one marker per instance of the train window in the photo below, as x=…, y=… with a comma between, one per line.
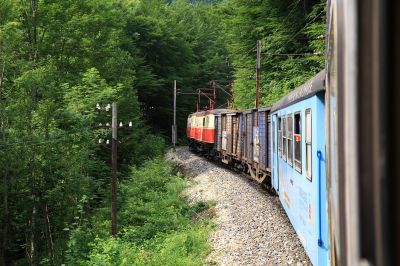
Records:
x=280, y=137
x=290, y=139
x=308, y=144
x=297, y=142
x=204, y=121
x=284, y=141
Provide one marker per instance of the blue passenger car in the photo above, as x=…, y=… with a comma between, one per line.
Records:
x=298, y=158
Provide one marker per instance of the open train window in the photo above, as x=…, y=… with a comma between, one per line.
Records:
x=284, y=141
x=297, y=142
x=280, y=137
x=308, y=144
x=290, y=139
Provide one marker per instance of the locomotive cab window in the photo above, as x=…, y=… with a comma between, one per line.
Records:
x=290, y=139
x=284, y=141
x=308, y=144
x=297, y=142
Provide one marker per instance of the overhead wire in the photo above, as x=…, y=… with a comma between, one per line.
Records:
x=293, y=8
x=52, y=139
x=305, y=26
x=31, y=143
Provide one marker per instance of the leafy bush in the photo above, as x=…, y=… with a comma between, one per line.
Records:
x=154, y=222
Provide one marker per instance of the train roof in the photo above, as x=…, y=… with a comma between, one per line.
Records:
x=311, y=87
x=266, y=108
x=214, y=111
x=246, y=111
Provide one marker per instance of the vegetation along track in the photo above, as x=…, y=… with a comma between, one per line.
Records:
x=251, y=226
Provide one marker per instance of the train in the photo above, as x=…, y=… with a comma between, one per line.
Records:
x=330, y=148
x=282, y=147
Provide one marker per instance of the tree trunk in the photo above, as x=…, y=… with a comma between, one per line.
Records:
x=49, y=237
x=31, y=247
x=3, y=68
x=5, y=218
x=5, y=215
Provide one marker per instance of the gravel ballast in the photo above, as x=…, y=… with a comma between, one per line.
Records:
x=251, y=226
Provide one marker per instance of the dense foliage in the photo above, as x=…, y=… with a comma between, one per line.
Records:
x=58, y=59
x=155, y=222
x=288, y=31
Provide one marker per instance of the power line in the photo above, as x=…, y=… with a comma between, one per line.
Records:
x=305, y=26
x=51, y=139
x=293, y=8
x=35, y=143
x=294, y=54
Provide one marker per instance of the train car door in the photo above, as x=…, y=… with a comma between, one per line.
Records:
x=275, y=161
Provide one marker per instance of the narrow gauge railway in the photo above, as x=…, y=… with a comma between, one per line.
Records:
x=282, y=147
x=332, y=149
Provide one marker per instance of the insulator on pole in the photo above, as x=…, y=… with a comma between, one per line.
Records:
x=108, y=141
x=100, y=141
x=130, y=124
x=120, y=124
x=98, y=106
x=107, y=124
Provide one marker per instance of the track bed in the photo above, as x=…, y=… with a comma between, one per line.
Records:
x=252, y=227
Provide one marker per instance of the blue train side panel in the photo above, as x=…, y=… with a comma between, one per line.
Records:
x=303, y=198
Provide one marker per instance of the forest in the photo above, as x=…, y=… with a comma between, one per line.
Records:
x=59, y=59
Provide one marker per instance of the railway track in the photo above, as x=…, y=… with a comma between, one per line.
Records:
x=251, y=226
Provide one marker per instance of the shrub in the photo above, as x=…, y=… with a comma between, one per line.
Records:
x=155, y=224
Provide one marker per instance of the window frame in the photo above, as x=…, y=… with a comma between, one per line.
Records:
x=273, y=138
x=308, y=144
x=284, y=138
x=289, y=139
x=280, y=137
x=298, y=167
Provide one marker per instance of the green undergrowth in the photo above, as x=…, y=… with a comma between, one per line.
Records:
x=156, y=224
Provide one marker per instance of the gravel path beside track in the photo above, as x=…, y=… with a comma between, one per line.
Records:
x=252, y=227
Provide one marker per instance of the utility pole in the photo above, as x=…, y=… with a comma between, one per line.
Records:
x=198, y=101
x=214, y=101
x=114, y=161
x=174, y=135
x=258, y=73
x=114, y=143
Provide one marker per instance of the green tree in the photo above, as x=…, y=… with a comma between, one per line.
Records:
x=284, y=27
